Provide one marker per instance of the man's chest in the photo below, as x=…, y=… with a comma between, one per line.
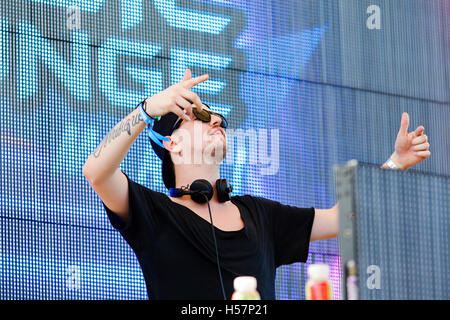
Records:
x=224, y=218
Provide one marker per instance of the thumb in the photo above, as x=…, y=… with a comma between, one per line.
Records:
x=404, y=124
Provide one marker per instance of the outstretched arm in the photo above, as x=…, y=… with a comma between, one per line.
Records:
x=326, y=223
x=410, y=149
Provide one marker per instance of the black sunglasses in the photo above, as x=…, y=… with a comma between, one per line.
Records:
x=205, y=116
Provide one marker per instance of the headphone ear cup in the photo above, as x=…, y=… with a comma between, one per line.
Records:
x=223, y=190
x=199, y=189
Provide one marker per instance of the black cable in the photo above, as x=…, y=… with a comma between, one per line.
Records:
x=217, y=250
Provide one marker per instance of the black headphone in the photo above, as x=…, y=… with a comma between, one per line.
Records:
x=201, y=188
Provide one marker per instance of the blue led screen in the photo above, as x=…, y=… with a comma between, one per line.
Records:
x=309, y=76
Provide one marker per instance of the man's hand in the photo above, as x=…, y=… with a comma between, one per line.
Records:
x=177, y=98
x=410, y=148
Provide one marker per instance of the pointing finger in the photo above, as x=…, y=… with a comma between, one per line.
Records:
x=194, y=81
x=187, y=74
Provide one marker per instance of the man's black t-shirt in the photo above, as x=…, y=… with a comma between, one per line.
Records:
x=175, y=248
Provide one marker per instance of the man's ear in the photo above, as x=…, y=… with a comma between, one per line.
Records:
x=171, y=145
x=168, y=144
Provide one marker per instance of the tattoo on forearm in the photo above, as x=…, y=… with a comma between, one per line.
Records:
x=124, y=126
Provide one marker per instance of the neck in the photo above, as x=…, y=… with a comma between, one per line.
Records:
x=186, y=174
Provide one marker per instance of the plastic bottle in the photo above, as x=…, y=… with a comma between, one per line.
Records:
x=245, y=289
x=318, y=286
x=352, y=281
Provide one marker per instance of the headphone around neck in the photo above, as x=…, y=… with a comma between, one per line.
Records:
x=201, y=188
x=202, y=191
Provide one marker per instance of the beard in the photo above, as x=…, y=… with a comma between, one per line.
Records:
x=215, y=150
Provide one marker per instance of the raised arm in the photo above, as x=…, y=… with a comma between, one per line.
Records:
x=410, y=149
x=101, y=168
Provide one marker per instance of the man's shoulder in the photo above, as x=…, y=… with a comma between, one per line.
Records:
x=245, y=197
x=249, y=197
x=138, y=187
x=251, y=200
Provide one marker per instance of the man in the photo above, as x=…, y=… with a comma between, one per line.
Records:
x=171, y=236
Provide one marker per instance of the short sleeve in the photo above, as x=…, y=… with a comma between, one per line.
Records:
x=291, y=227
x=143, y=219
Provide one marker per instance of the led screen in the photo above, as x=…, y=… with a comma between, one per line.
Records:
x=310, y=84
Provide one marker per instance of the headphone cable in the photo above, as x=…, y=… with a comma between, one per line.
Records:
x=217, y=250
